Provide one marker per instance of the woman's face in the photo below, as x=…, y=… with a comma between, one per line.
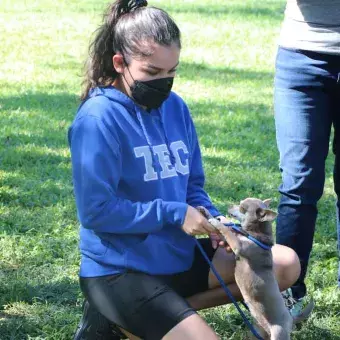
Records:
x=162, y=63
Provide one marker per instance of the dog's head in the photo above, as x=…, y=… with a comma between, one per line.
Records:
x=251, y=213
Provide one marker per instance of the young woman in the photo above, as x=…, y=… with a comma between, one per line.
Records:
x=138, y=176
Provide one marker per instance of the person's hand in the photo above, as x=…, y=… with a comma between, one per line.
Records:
x=195, y=223
x=217, y=240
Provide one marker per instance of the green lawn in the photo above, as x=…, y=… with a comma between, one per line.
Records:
x=226, y=76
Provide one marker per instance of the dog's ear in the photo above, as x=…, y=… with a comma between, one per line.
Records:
x=265, y=215
x=267, y=202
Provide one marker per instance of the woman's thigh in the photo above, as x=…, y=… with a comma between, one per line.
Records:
x=152, y=306
x=200, y=278
x=141, y=304
x=286, y=266
x=224, y=262
x=192, y=328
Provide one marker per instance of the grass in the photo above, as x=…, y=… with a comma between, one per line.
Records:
x=226, y=76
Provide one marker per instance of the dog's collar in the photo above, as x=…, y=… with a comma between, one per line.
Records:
x=238, y=229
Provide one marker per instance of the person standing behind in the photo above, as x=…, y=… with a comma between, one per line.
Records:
x=307, y=104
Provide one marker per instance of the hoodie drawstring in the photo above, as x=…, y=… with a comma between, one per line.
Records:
x=155, y=162
x=172, y=157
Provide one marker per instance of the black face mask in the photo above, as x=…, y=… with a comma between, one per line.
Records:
x=151, y=93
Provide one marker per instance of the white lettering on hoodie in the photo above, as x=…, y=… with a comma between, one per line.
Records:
x=162, y=151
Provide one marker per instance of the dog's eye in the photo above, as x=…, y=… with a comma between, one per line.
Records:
x=242, y=210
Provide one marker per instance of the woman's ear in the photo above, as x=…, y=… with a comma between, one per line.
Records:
x=118, y=63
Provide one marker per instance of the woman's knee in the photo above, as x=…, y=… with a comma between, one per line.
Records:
x=286, y=266
x=224, y=262
x=191, y=328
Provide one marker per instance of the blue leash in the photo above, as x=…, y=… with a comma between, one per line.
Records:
x=222, y=283
x=238, y=229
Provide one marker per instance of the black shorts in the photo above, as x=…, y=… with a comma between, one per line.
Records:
x=145, y=305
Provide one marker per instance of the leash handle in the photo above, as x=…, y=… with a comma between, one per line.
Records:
x=227, y=291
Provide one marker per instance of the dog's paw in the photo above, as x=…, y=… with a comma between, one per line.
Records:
x=214, y=222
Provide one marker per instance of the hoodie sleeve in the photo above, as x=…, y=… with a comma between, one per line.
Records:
x=196, y=195
x=96, y=166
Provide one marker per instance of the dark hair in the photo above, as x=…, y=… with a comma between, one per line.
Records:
x=127, y=25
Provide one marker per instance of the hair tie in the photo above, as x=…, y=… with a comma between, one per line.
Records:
x=141, y=3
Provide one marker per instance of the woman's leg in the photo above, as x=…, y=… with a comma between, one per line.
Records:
x=192, y=328
x=286, y=268
x=145, y=307
x=224, y=263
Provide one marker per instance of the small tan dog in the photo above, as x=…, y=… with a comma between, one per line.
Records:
x=254, y=267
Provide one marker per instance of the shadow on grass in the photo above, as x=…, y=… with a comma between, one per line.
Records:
x=62, y=106
x=63, y=292
x=14, y=289
x=11, y=326
x=36, y=168
x=37, y=310
x=222, y=75
x=31, y=178
x=25, y=152
x=39, y=321
x=56, y=106
x=247, y=130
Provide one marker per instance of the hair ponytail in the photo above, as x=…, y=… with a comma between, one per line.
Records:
x=126, y=23
x=99, y=70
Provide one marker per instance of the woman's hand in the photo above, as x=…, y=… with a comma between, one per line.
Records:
x=195, y=223
x=216, y=239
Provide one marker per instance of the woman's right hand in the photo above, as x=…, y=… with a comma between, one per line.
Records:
x=195, y=223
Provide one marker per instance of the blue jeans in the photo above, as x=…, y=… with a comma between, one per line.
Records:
x=307, y=104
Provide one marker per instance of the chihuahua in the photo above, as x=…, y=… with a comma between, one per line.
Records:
x=254, y=266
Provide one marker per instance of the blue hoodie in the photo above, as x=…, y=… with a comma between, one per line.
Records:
x=134, y=174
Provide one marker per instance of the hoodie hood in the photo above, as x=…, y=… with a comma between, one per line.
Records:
x=112, y=93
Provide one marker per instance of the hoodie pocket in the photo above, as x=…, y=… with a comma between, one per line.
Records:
x=133, y=256
x=91, y=243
